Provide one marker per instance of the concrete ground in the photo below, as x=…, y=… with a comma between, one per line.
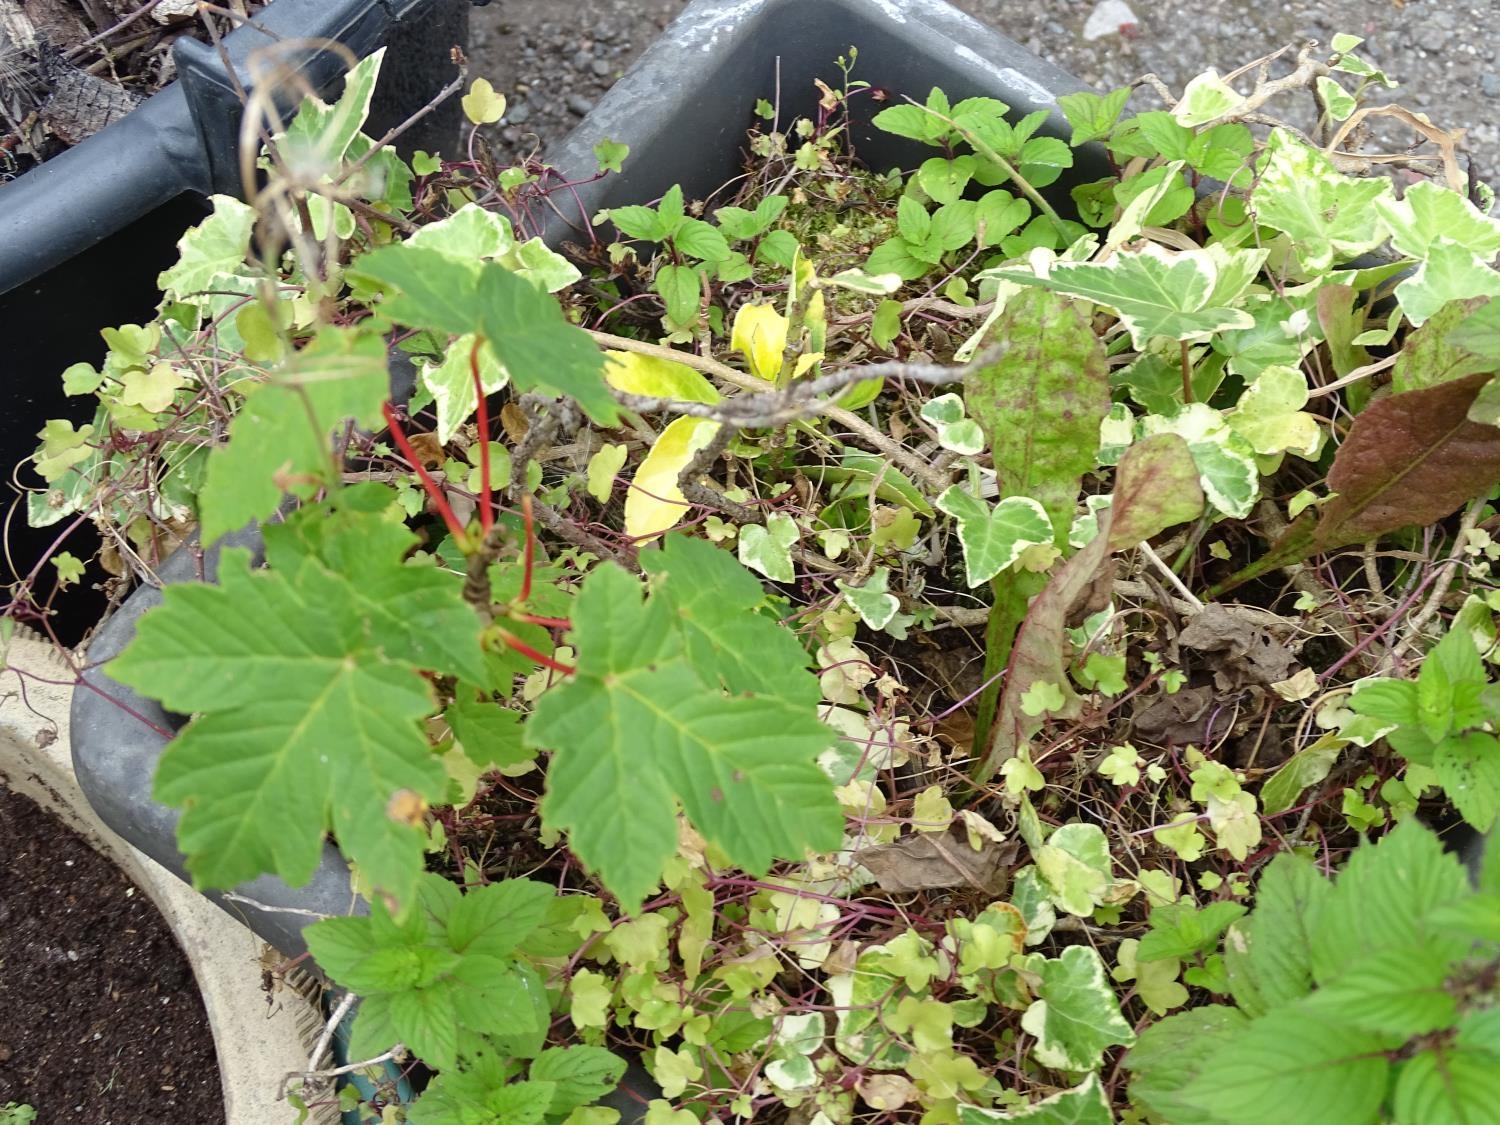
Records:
x=554, y=59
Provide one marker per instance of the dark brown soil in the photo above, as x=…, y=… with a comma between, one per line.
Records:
x=100, y=1020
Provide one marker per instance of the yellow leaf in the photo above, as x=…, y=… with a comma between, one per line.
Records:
x=482, y=105
x=637, y=374
x=151, y=390
x=654, y=502
x=931, y=811
x=760, y=335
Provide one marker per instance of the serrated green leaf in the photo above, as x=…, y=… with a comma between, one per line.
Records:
x=1181, y=294
x=1091, y=115
x=489, y=734
x=1382, y=897
x=1468, y=768
x=1268, y=955
x=1447, y=1085
x=1436, y=353
x=994, y=538
x=1328, y=216
x=1398, y=991
x=1075, y=1016
x=680, y=289
x=715, y=602
x=304, y=725
x=1171, y=1054
x=1292, y=1066
x=579, y=1075
x=281, y=439
x=1181, y=930
x=636, y=717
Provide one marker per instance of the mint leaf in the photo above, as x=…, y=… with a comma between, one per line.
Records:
x=1448, y=1085
x=1092, y=115
x=579, y=1075
x=1293, y=1066
x=638, y=718
x=1182, y=931
x=1268, y=955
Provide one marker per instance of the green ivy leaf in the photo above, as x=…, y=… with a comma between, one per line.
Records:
x=639, y=717
x=994, y=538
x=1075, y=1016
x=1269, y=415
x=611, y=155
x=319, y=137
x=1428, y=213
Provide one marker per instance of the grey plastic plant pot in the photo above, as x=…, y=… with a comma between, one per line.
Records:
x=84, y=236
x=683, y=108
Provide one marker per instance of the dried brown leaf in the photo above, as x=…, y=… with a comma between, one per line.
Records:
x=932, y=860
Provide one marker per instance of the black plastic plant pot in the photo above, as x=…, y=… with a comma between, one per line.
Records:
x=84, y=236
x=683, y=109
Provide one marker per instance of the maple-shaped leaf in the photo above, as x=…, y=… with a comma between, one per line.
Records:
x=641, y=727
x=308, y=703
x=1180, y=294
x=523, y=326
x=715, y=601
x=281, y=440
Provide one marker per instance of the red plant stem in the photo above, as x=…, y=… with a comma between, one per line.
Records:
x=533, y=619
x=514, y=642
x=439, y=501
x=482, y=413
x=528, y=558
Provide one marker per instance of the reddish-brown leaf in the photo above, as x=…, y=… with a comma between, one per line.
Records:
x=1410, y=459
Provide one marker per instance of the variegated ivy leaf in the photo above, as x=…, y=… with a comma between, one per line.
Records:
x=1206, y=98
x=1451, y=272
x=1084, y=1104
x=1429, y=212
x=315, y=142
x=1340, y=102
x=1270, y=415
x=1116, y=433
x=954, y=430
x=473, y=233
x=1180, y=294
x=870, y=284
x=451, y=383
x=1076, y=1016
x=768, y=549
x=871, y=601
x=994, y=538
x=797, y=1038
x=1225, y=460
x=1328, y=216
x=1075, y=867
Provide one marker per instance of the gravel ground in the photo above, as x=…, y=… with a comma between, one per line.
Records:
x=553, y=61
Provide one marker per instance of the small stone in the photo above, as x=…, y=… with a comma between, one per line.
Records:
x=519, y=114
x=1432, y=38
x=600, y=68
x=582, y=59
x=578, y=105
x=1489, y=84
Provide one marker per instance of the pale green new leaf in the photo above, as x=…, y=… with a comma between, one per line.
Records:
x=213, y=249
x=1204, y=98
x=1075, y=866
x=1181, y=294
x=1292, y=1066
x=768, y=548
x=994, y=538
x=871, y=600
x=1328, y=216
x=1269, y=415
x=1428, y=213
x=451, y=383
x=1076, y=1015
x=638, y=717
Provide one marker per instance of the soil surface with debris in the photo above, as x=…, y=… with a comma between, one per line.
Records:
x=553, y=61
x=100, y=1017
